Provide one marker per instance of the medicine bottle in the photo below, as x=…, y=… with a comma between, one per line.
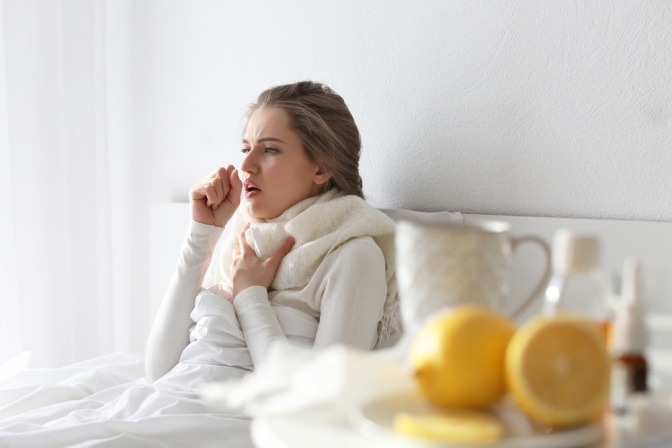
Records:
x=578, y=285
x=630, y=368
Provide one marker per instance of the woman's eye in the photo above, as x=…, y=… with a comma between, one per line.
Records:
x=245, y=150
x=271, y=150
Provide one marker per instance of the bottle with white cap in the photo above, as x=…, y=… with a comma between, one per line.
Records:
x=578, y=285
x=630, y=369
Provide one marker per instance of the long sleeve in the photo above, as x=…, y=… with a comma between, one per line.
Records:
x=354, y=292
x=352, y=287
x=169, y=334
x=258, y=321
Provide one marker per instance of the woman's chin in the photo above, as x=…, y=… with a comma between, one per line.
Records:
x=259, y=212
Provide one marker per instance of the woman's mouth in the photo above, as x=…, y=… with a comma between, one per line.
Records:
x=251, y=190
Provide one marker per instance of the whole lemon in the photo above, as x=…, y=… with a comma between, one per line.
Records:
x=459, y=357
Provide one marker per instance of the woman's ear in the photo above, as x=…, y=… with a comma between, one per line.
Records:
x=322, y=176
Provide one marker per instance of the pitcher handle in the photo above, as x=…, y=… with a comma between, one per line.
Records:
x=544, y=279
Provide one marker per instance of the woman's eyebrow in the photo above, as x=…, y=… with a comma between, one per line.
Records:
x=265, y=139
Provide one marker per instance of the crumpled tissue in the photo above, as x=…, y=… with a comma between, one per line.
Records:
x=293, y=379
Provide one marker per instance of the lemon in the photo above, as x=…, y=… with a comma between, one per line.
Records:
x=457, y=426
x=458, y=357
x=558, y=370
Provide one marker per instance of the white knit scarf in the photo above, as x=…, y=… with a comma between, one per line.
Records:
x=319, y=225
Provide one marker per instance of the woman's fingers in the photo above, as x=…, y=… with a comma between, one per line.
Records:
x=200, y=188
x=244, y=248
x=214, y=188
x=211, y=195
x=219, y=188
x=197, y=191
x=215, y=198
x=248, y=270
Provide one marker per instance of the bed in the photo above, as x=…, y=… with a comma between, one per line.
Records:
x=107, y=401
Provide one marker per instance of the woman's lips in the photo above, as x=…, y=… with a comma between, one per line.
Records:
x=251, y=193
x=251, y=189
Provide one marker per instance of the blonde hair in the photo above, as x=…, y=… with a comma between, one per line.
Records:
x=325, y=126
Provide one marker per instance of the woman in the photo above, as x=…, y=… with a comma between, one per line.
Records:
x=321, y=254
x=308, y=261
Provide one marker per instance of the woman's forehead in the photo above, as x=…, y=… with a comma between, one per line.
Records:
x=267, y=122
x=265, y=115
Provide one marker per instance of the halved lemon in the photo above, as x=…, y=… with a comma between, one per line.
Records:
x=456, y=426
x=557, y=370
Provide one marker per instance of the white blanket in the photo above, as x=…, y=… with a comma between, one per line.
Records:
x=108, y=402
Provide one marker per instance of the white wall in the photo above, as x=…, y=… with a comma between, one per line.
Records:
x=510, y=107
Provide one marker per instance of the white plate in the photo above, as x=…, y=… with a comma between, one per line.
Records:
x=375, y=421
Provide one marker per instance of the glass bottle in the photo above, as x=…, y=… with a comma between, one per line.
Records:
x=578, y=285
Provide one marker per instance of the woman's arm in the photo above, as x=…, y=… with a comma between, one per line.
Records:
x=213, y=201
x=258, y=321
x=354, y=292
x=169, y=334
x=251, y=278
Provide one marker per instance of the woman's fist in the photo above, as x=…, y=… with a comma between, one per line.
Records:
x=215, y=198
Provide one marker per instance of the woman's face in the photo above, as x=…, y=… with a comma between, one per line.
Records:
x=276, y=171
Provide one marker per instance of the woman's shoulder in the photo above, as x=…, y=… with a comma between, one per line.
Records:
x=360, y=244
x=353, y=262
x=358, y=250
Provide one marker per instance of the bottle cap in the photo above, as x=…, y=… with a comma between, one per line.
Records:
x=575, y=252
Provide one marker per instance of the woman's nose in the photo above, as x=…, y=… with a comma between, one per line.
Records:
x=249, y=163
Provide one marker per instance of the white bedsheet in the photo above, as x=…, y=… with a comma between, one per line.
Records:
x=108, y=402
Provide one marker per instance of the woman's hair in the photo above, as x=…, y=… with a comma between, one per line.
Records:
x=325, y=126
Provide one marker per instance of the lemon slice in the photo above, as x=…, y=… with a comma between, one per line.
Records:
x=558, y=370
x=458, y=357
x=456, y=426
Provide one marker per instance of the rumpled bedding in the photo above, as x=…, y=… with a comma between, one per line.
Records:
x=107, y=401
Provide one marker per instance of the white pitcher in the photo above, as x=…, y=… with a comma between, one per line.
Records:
x=440, y=265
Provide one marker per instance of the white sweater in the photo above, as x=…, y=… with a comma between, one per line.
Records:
x=350, y=283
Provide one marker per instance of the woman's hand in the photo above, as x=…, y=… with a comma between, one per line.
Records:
x=248, y=270
x=215, y=198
